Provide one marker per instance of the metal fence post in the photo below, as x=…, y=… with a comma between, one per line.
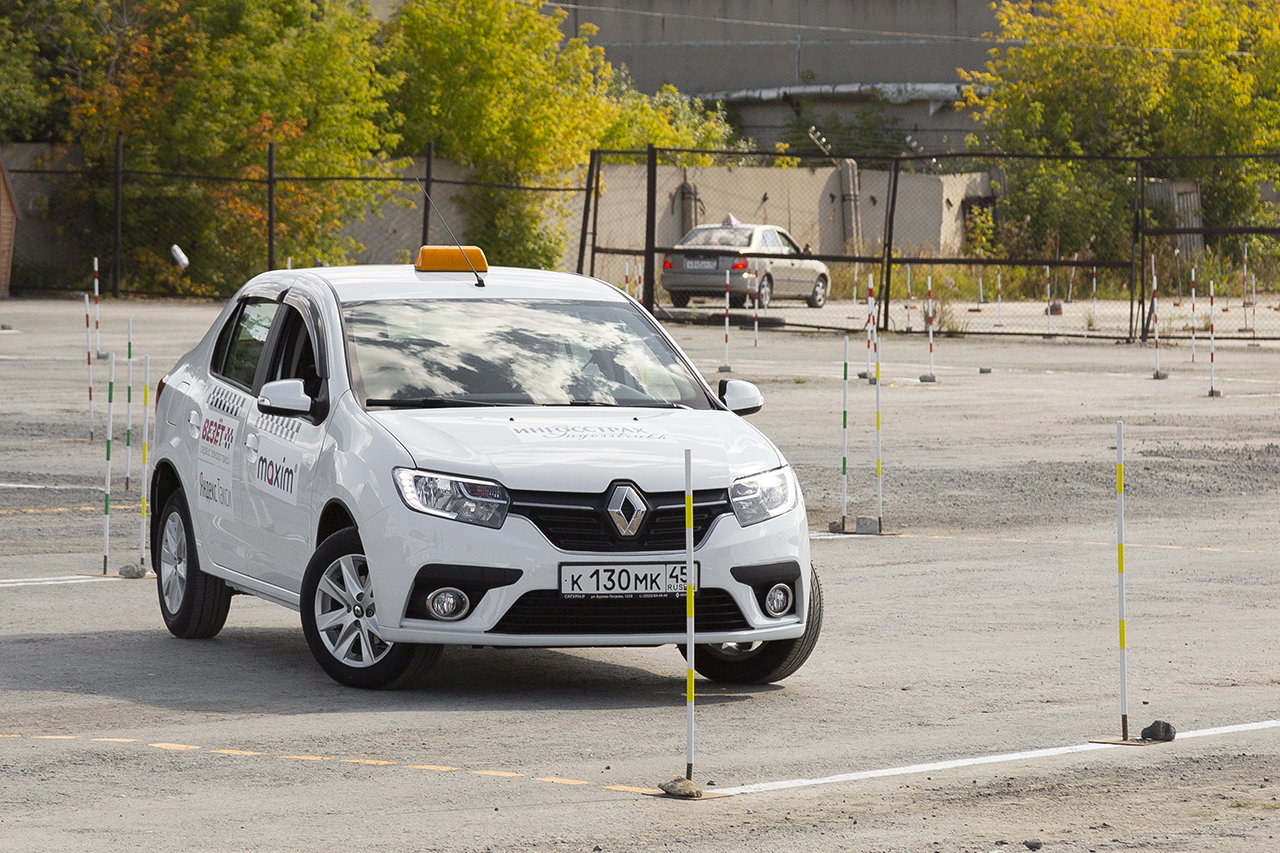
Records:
x=1135, y=264
x=593, y=162
x=886, y=271
x=271, y=205
x=650, y=226
x=426, y=194
x=119, y=215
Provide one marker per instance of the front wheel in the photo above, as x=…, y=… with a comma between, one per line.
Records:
x=764, y=292
x=762, y=663
x=194, y=605
x=819, y=296
x=340, y=621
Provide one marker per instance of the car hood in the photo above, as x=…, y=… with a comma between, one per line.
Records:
x=583, y=449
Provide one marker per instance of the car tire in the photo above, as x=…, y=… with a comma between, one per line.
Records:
x=680, y=300
x=762, y=663
x=339, y=619
x=764, y=291
x=194, y=605
x=737, y=300
x=819, y=296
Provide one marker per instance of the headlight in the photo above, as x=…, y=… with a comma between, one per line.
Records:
x=763, y=496
x=473, y=501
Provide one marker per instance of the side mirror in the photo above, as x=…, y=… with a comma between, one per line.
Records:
x=284, y=397
x=807, y=250
x=741, y=397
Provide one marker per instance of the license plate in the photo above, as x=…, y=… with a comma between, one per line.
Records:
x=695, y=264
x=629, y=579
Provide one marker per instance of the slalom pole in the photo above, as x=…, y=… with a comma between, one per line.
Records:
x=725, y=368
x=1253, y=306
x=97, y=331
x=143, y=485
x=1048, y=308
x=928, y=324
x=1124, y=690
x=128, y=408
x=1155, y=320
x=1094, y=324
x=88, y=356
x=844, y=457
x=1193, y=315
x=1212, y=392
x=106, y=498
x=755, y=319
x=626, y=277
x=689, y=591
x=981, y=299
x=879, y=478
x=999, y=319
x=871, y=322
x=908, y=297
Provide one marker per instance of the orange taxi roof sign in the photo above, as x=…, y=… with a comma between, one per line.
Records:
x=451, y=259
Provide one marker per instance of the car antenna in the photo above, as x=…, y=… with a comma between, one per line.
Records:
x=479, y=280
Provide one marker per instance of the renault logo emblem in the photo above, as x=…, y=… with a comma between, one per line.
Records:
x=627, y=509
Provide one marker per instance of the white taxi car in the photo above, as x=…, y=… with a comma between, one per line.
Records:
x=443, y=453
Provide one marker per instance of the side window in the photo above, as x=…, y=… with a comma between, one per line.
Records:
x=244, y=339
x=770, y=239
x=295, y=356
x=788, y=245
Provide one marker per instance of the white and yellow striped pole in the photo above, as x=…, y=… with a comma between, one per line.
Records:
x=106, y=497
x=688, y=610
x=879, y=478
x=143, y=487
x=88, y=355
x=128, y=408
x=844, y=457
x=1124, y=690
x=871, y=320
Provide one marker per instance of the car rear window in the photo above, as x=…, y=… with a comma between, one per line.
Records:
x=718, y=235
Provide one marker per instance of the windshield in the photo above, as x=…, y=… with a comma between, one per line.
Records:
x=718, y=235
x=408, y=353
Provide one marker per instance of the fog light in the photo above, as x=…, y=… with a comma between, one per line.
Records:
x=778, y=600
x=449, y=604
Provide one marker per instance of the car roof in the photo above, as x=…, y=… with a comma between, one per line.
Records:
x=364, y=283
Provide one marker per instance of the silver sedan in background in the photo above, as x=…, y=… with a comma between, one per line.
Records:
x=698, y=264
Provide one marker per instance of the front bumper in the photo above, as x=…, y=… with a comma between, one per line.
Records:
x=399, y=543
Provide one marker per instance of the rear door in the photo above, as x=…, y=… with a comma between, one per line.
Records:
x=216, y=423
x=797, y=266
x=780, y=267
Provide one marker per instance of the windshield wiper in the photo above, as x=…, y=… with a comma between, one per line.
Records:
x=430, y=403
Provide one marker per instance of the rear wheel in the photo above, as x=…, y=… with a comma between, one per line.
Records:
x=819, y=296
x=762, y=663
x=194, y=605
x=680, y=300
x=340, y=621
x=737, y=300
x=764, y=291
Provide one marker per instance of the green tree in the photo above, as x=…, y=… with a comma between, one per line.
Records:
x=1125, y=78
x=22, y=95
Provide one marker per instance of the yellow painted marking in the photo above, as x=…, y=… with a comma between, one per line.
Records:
x=308, y=757
x=688, y=601
x=688, y=686
x=175, y=746
x=234, y=752
x=1119, y=478
x=366, y=761
x=877, y=467
x=1122, y=633
x=10, y=735
x=432, y=767
x=54, y=737
x=632, y=790
x=557, y=780
x=877, y=420
x=1120, y=556
x=688, y=510
x=114, y=739
x=1087, y=543
x=502, y=773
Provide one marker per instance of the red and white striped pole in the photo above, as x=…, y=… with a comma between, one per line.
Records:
x=88, y=356
x=725, y=368
x=97, y=331
x=755, y=319
x=1212, y=391
x=928, y=324
x=1193, y=315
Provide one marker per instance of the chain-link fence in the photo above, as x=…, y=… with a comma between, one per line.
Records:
x=1007, y=244
x=230, y=228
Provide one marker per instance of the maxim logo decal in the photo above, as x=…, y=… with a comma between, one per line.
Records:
x=276, y=471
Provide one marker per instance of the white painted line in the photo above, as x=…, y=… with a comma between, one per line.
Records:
x=58, y=580
x=912, y=769
x=63, y=488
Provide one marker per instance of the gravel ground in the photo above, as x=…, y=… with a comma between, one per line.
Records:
x=983, y=624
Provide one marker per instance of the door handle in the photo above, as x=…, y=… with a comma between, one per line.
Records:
x=251, y=444
x=193, y=423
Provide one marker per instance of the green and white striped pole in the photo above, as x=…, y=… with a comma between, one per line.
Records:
x=143, y=486
x=844, y=455
x=106, y=497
